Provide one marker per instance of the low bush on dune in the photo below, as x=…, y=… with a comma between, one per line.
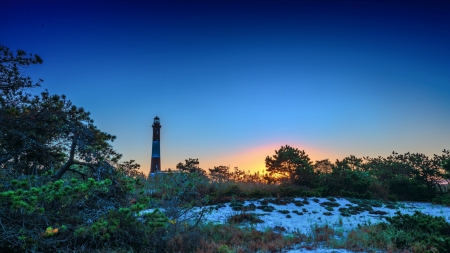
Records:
x=72, y=214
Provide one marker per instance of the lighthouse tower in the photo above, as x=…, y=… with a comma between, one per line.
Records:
x=156, y=156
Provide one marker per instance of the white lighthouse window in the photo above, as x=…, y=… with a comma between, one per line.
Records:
x=156, y=166
x=157, y=132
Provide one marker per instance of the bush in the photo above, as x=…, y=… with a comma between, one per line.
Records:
x=443, y=199
x=421, y=229
x=39, y=214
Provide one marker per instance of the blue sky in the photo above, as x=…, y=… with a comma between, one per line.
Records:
x=234, y=80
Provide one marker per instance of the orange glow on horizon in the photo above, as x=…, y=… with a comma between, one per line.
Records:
x=246, y=159
x=253, y=159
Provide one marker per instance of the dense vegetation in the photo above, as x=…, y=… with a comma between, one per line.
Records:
x=64, y=188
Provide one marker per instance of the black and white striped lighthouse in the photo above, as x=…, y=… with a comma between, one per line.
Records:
x=156, y=155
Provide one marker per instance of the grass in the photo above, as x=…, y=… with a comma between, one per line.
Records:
x=233, y=238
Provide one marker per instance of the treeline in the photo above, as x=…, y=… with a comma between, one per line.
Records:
x=409, y=176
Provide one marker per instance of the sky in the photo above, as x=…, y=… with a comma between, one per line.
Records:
x=233, y=81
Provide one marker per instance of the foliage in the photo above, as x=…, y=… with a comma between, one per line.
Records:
x=220, y=173
x=191, y=166
x=404, y=177
x=70, y=214
x=443, y=199
x=290, y=164
x=46, y=133
x=420, y=228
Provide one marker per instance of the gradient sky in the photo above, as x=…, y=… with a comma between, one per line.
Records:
x=234, y=80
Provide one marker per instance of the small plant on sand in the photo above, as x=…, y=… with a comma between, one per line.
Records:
x=245, y=217
x=330, y=203
x=266, y=208
x=331, y=199
x=298, y=203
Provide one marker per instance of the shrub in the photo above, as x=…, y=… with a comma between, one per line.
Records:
x=245, y=217
x=330, y=204
x=422, y=229
x=443, y=199
x=40, y=213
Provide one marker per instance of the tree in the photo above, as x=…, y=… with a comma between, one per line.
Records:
x=323, y=166
x=446, y=167
x=46, y=133
x=220, y=173
x=290, y=164
x=10, y=64
x=191, y=166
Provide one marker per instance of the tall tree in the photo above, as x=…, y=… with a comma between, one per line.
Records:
x=290, y=164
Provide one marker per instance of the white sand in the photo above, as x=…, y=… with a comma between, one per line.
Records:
x=314, y=216
x=304, y=222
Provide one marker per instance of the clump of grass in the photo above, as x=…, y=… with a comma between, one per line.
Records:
x=232, y=238
x=281, y=201
x=284, y=211
x=376, y=203
x=244, y=217
x=264, y=202
x=236, y=205
x=366, y=207
x=328, y=213
x=331, y=199
x=378, y=212
x=391, y=206
x=266, y=208
x=221, y=205
x=298, y=203
x=330, y=203
x=344, y=212
x=322, y=234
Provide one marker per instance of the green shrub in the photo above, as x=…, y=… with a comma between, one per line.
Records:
x=443, y=199
x=290, y=190
x=245, y=217
x=421, y=228
x=96, y=214
x=232, y=190
x=256, y=193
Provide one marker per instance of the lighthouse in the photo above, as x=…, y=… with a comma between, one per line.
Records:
x=156, y=156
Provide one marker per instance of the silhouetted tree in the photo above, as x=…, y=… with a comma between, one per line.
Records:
x=191, y=166
x=220, y=173
x=290, y=164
